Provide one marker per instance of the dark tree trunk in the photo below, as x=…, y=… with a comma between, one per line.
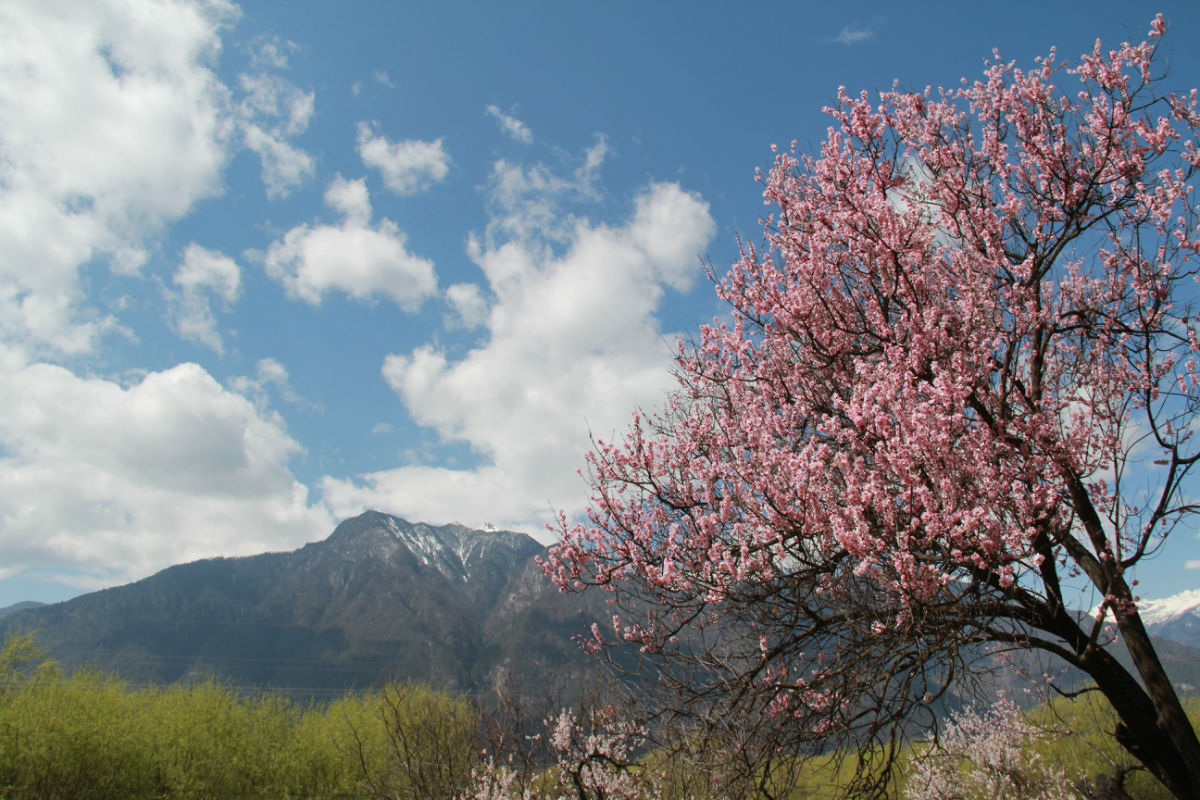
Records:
x=1175, y=746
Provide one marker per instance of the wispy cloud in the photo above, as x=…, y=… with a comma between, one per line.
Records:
x=511, y=126
x=269, y=374
x=857, y=34
x=528, y=201
x=272, y=112
x=270, y=52
x=204, y=279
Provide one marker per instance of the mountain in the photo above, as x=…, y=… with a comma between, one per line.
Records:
x=4, y=612
x=380, y=598
x=1176, y=618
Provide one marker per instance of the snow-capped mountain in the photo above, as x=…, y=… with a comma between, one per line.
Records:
x=456, y=552
x=1176, y=618
x=379, y=598
x=1160, y=612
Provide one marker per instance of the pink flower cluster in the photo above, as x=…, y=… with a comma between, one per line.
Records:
x=593, y=762
x=987, y=754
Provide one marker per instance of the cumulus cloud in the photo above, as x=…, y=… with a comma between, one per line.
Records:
x=356, y=258
x=204, y=269
x=1192, y=563
x=137, y=133
x=408, y=166
x=170, y=468
x=573, y=345
x=351, y=199
x=206, y=277
x=470, y=307
x=511, y=126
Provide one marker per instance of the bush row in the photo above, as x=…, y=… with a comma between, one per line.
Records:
x=88, y=735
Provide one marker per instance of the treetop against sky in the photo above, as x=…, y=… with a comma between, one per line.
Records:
x=263, y=266
x=960, y=379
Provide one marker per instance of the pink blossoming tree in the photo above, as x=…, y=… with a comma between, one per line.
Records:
x=959, y=381
x=987, y=754
x=593, y=761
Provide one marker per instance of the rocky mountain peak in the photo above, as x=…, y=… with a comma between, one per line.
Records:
x=453, y=550
x=380, y=597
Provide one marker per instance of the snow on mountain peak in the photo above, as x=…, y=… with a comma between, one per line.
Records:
x=454, y=550
x=1169, y=609
x=432, y=549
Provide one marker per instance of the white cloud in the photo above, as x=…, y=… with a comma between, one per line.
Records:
x=1193, y=563
x=168, y=469
x=351, y=199
x=269, y=374
x=271, y=112
x=270, y=52
x=272, y=371
x=856, y=34
x=134, y=133
x=470, y=307
x=511, y=126
x=204, y=277
x=574, y=345
x=354, y=257
x=208, y=269
x=408, y=166
x=283, y=166
x=527, y=202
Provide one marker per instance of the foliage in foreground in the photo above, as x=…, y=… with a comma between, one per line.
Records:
x=90, y=736
x=986, y=755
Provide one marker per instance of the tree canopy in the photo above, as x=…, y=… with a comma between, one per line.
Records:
x=958, y=383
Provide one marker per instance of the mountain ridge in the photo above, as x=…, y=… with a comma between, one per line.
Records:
x=379, y=598
x=1176, y=618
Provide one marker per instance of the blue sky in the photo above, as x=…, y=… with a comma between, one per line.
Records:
x=263, y=266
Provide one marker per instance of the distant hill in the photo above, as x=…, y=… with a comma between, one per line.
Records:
x=380, y=598
x=22, y=606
